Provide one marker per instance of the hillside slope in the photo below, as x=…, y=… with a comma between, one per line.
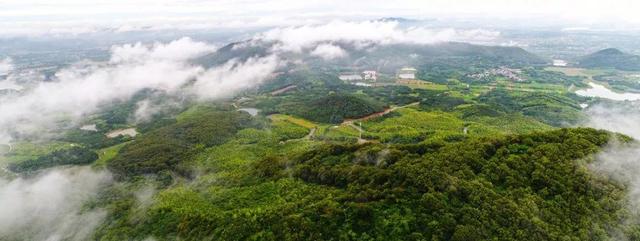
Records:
x=611, y=58
x=525, y=187
x=385, y=57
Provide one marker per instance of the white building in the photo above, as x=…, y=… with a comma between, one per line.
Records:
x=370, y=75
x=362, y=84
x=349, y=76
x=407, y=73
x=559, y=63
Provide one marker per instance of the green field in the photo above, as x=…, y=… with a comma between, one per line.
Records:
x=108, y=153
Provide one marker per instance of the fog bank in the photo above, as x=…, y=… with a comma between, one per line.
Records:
x=50, y=206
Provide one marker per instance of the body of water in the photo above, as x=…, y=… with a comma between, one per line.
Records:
x=251, y=111
x=601, y=91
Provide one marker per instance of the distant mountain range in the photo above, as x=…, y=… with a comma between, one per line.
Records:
x=388, y=57
x=611, y=58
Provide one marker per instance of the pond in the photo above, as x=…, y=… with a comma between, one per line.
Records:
x=601, y=91
x=251, y=111
x=122, y=132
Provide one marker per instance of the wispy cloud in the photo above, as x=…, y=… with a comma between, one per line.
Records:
x=616, y=117
x=380, y=32
x=63, y=17
x=619, y=161
x=49, y=206
x=329, y=51
x=82, y=88
x=6, y=66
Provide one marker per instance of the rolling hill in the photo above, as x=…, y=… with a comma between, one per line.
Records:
x=611, y=58
x=385, y=57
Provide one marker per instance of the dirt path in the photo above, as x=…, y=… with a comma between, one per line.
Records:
x=378, y=114
x=351, y=122
x=312, y=132
x=283, y=89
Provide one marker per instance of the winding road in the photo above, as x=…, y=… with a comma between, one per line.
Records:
x=378, y=114
x=350, y=122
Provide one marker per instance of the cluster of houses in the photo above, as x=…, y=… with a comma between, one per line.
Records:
x=511, y=74
x=407, y=73
x=559, y=63
x=369, y=77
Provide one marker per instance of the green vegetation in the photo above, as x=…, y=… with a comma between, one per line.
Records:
x=165, y=148
x=611, y=58
x=434, y=100
x=412, y=126
x=527, y=187
x=553, y=109
x=552, y=77
x=446, y=157
x=24, y=151
x=108, y=153
x=70, y=156
x=620, y=81
x=335, y=108
x=92, y=139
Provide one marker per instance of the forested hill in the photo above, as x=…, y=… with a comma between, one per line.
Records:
x=393, y=55
x=611, y=58
x=522, y=187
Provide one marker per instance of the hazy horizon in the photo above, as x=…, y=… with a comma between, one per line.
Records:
x=37, y=18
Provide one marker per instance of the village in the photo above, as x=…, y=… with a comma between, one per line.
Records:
x=407, y=76
x=370, y=78
x=509, y=73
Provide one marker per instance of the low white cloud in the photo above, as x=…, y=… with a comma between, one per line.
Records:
x=620, y=161
x=179, y=50
x=6, y=66
x=329, y=51
x=145, y=109
x=65, y=17
x=380, y=32
x=622, y=164
x=82, y=88
x=227, y=79
x=50, y=206
x=621, y=118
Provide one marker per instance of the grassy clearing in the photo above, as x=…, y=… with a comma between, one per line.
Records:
x=588, y=73
x=108, y=153
x=298, y=121
x=420, y=84
x=23, y=151
x=412, y=125
x=339, y=131
x=229, y=163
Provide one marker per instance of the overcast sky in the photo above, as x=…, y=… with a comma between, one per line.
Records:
x=35, y=17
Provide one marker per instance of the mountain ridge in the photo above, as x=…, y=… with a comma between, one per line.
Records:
x=610, y=58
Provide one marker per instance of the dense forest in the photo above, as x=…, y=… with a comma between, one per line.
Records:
x=167, y=147
x=523, y=187
x=71, y=156
x=336, y=107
